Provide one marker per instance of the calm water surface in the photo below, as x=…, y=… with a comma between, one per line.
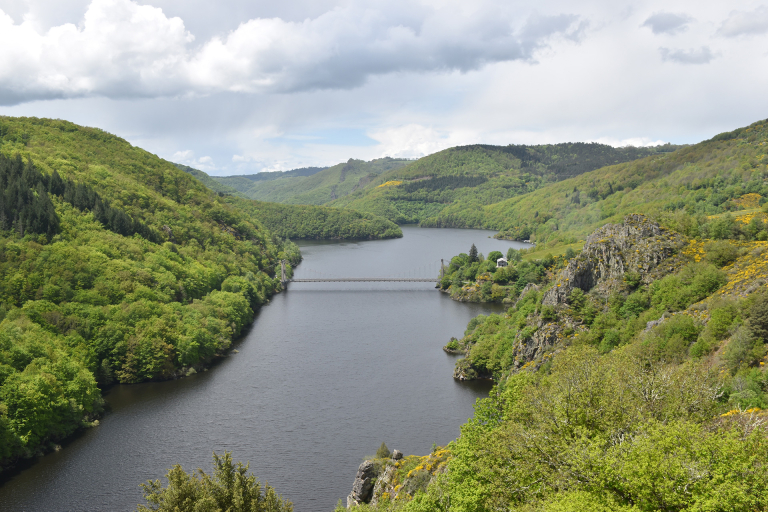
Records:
x=326, y=373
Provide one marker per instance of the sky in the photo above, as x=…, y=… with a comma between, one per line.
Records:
x=245, y=86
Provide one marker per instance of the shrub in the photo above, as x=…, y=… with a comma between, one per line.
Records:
x=720, y=320
x=494, y=255
x=743, y=349
x=577, y=298
x=548, y=313
x=632, y=279
x=670, y=340
x=635, y=304
x=721, y=253
x=611, y=339
x=383, y=452
x=230, y=488
x=758, y=317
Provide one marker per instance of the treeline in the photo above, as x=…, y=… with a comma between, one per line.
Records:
x=307, y=186
x=688, y=190
x=317, y=222
x=266, y=176
x=463, y=180
x=574, y=158
x=26, y=207
x=444, y=182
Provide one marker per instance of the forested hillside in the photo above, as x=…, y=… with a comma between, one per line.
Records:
x=115, y=266
x=302, y=186
x=465, y=179
x=697, y=190
x=630, y=377
x=297, y=222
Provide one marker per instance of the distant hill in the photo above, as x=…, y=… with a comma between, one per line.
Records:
x=686, y=190
x=304, y=221
x=207, y=180
x=311, y=185
x=471, y=177
x=267, y=176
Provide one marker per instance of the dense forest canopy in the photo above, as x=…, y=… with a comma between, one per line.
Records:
x=692, y=189
x=267, y=176
x=305, y=186
x=297, y=222
x=467, y=178
x=115, y=267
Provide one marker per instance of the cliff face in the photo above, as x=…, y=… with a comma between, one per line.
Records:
x=638, y=246
x=637, y=250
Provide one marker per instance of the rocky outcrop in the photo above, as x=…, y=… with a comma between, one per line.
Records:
x=538, y=344
x=384, y=483
x=371, y=480
x=616, y=257
x=525, y=291
x=363, y=484
x=638, y=246
x=464, y=371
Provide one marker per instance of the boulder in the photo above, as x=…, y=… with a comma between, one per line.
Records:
x=397, y=455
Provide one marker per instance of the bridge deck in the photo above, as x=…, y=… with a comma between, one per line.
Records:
x=365, y=280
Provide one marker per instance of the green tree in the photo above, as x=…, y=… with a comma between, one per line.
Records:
x=494, y=255
x=383, y=452
x=473, y=254
x=230, y=489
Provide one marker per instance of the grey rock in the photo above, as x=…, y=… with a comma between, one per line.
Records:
x=384, y=484
x=397, y=454
x=363, y=484
x=653, y=323
x=638, y=245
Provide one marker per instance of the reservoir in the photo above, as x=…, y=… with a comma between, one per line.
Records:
x=326, y=373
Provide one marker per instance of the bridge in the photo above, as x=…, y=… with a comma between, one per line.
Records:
x=335, y=279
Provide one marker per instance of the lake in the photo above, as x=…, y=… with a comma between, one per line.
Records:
x=326, y=373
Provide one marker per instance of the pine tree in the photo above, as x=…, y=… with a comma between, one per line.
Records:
x=473, y=254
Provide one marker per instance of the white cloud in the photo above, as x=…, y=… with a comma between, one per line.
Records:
x=741, y=23
x=637, y=142
x=667, y=22
x=702, y=55
x=415, y=141
x=612, y=85
x=187, y=157
x=123, y=49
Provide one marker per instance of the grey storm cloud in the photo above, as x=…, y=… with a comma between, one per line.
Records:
x=667, y=22
x=702, y=55
x=122, y=50
x=741, y=23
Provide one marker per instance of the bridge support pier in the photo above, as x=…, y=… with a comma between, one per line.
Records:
x=283, y=279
